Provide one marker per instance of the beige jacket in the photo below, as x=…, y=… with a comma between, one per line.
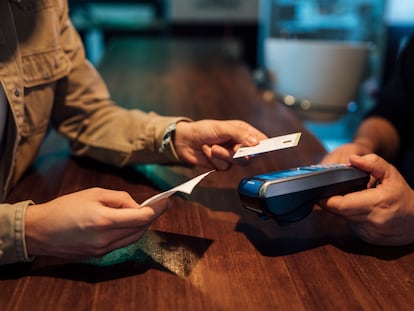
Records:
x=47, y=80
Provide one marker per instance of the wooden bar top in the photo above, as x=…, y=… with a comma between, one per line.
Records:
x=207, y=252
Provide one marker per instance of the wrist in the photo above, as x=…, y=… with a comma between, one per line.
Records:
x=169, y=141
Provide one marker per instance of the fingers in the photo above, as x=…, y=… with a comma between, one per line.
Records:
x=123, y=211
x=88, y=222
x=120, y=238
x=221, y=158
x=258, y=135
x=129, y=225
x=336, y=157
x=354, y=206
x=246, y=135
x=371, y=163
x=343, y=153
x=115, y=199
x=236, y=132
x=212, y=143
x=218, y=157
x=135, y=217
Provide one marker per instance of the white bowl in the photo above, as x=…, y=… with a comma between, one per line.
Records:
x=326, y=74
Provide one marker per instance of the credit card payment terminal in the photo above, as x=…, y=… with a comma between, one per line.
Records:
x=290, y=195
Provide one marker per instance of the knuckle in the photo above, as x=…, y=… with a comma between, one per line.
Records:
x=94, y=191
x=147, y=216
x=374, y=157
x=124, y=194
x=101, y=222
x=100, y=247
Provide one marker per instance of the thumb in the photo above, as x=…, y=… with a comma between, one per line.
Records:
x=243, y=136
x=243, y=133
x=371, y=163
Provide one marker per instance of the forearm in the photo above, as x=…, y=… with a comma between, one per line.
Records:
x=122, y=137
x=379, y=135
x=84, y=113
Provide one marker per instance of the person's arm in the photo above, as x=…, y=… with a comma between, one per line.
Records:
x=374, y=135
x=387, y=127
x=84, y=112
x=379, y=136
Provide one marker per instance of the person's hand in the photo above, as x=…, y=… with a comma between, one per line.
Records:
x=87, y=223
x=342, y=153
x=212, y=143
x=382, y=215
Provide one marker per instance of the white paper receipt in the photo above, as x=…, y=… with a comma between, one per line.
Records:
x=267, y=145
x=186, y=187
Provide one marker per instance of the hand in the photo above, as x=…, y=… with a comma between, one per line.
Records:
x=212, y=143
x=382, y=215
x=342, y=153
x=87, y=223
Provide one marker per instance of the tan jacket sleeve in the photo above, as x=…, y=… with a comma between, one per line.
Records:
x=83, y=112
x=12, y=238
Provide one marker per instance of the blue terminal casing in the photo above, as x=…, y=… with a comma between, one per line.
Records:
x=290, y=195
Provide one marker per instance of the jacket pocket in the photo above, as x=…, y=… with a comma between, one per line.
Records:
x=41, y=72
x=45, y=67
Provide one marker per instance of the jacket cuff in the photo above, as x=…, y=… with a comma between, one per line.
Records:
x=12, y=234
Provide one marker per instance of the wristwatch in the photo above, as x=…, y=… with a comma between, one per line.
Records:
x=168, y=140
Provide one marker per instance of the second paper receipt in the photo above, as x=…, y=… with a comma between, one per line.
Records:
x=186, y=187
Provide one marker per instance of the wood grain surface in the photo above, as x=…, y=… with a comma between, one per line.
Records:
x=206, y=252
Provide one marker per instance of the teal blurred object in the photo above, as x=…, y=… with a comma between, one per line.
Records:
x=98, y=20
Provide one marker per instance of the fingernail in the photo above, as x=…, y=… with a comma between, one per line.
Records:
x=252, y=140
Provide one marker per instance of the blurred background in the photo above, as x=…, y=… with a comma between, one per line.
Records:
x=274, y=38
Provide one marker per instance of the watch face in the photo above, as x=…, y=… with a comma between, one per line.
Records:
x=167, y=137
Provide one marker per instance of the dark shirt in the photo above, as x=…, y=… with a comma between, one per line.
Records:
x=396, y=101
x=396, y=104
